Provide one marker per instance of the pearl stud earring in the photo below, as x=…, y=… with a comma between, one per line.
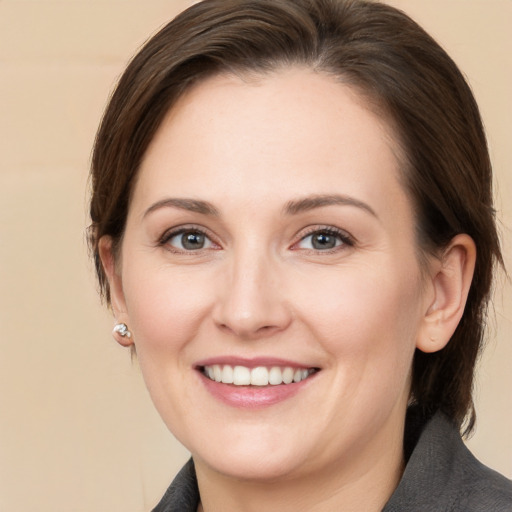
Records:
x=122, y=330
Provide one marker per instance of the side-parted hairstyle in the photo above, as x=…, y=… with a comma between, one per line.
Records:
x=402, y=74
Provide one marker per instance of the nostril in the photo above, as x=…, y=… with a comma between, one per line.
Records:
x=268, y=329
x=249, y=332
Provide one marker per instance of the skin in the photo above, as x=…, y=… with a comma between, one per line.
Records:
x=260, y=288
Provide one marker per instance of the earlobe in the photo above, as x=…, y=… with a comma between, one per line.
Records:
x=122, y=335
x=110, y=266
x=451, y=281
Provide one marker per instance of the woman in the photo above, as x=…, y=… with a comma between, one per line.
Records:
x=292, y=221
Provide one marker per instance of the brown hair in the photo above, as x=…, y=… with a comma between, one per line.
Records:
x=394, y=63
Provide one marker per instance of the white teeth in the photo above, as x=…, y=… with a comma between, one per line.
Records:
x=227, y=375
x=259, y=376
x=275, y=376
x=288, y=375
x=241, y=376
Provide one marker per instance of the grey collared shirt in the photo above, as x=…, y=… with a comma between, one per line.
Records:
x=441, y=475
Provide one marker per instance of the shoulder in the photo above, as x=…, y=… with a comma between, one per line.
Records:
x=483, y=488
x=474, y=486
x=442, y=475
x=183, y=493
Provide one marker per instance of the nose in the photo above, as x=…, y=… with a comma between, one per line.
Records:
x=251, y=301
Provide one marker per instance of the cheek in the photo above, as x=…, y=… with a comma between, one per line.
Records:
x=364, y=315
x=165, y=306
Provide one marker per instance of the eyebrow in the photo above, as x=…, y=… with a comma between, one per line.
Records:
x=317, y=201
x=291, y=208
x=191, y=205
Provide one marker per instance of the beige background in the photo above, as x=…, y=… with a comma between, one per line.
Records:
x=77, y=430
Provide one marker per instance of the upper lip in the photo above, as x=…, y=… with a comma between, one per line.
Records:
x=252, y=362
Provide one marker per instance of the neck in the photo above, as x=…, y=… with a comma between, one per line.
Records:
x=362, y=482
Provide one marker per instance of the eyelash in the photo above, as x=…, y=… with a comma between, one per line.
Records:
x=169, y=235
x=345, y=239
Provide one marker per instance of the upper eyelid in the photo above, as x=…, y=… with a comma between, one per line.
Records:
x=300, y=235
x=164, y=240
x=324, y=228
x=347, y=240
x=177, y=230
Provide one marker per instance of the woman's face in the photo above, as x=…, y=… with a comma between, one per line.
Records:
x=269, y=238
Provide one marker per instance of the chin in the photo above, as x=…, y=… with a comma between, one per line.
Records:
x=263, y=468
x=251, y=456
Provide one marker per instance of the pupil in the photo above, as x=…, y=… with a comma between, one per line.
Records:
x=192, y=241
x=324, y=241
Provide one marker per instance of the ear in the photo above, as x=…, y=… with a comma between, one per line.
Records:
x=450, y=279
x=111, y=268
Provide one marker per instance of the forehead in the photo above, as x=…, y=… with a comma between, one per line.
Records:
x=290, y=132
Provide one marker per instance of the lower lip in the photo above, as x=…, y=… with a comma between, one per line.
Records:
x=253, y=397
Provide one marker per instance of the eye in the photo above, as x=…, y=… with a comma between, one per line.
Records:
x=187, y=240
x=324, y=240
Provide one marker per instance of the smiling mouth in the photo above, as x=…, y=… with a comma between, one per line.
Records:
x=258, y=376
